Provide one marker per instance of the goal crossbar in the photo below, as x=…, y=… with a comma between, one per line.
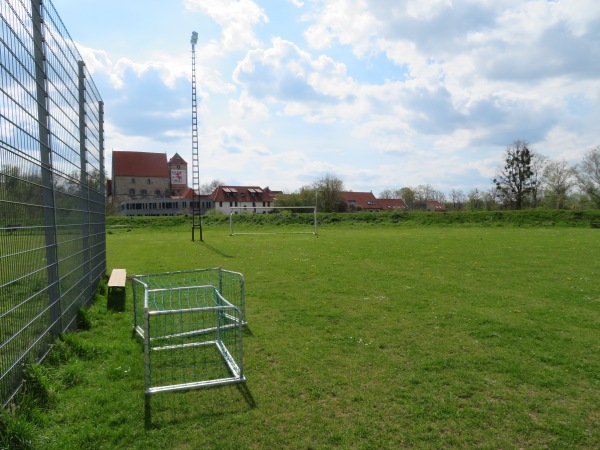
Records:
x=239, y=210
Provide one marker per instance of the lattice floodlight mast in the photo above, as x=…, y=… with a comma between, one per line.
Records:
x=195, y=158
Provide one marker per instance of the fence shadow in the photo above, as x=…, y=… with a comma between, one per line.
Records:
x=208, y=404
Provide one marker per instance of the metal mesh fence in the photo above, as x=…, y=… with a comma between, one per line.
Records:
x=52, y=213
x=192, y=334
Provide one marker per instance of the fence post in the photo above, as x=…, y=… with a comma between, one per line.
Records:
x=102, y=178
x=41, y=78
x=84, y=181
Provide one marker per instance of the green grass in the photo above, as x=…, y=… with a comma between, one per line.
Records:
x=365, y=337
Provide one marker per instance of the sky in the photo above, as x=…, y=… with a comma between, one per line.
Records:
x=382, y=94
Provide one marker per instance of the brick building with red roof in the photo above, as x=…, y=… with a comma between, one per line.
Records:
x=138, y=175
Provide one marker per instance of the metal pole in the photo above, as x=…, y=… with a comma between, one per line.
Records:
x=37, y=10
x=195, y=157
x=84, y=189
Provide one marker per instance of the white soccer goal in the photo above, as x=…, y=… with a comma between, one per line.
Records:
x=311, y=225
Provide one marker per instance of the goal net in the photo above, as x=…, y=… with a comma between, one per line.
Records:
x=289, y=220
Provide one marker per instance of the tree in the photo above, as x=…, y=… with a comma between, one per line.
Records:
x=304, y=197
x=474, y=201
x=408, y=195
x=387, y=193
x=515, y=180
x=538, y=165
x=208, y=188
x=330, y=189
x=458, y=198
x=588, y=174
x=558, y=182
x=489, y=199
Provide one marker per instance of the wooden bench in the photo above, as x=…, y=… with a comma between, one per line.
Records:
x=116, y=289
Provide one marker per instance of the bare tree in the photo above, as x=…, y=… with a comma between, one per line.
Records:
x=458, y=199
x=559, y=179
x=387, y=193
x=474, y=200
x=209, y=188
x=424, y=192
x=538, y=165
x=515, y=179
x=588, y=174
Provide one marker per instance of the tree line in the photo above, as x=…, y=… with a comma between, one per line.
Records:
x=525, y=179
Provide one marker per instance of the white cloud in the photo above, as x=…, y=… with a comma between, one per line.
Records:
x=285, y=75
x=248, y=108
x=370, y=89
x=237, y=19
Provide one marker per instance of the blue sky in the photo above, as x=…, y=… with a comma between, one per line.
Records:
x=381, y=93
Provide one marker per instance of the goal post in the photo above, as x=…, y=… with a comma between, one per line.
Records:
x=244, y=211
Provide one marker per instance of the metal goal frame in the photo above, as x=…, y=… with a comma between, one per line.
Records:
x=192, y=334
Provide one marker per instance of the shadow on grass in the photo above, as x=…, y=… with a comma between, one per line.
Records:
x=208, y=405
x=216, y=250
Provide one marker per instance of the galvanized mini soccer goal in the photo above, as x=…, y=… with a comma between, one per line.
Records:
x=192, y=333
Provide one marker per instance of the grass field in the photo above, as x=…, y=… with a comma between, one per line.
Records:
x=365, y=337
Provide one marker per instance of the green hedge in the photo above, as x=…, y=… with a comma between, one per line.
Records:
x=532, y=218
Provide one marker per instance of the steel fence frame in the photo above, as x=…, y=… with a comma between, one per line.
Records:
x=52, y=186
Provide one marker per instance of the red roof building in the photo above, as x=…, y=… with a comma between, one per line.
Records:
x=361, y=201
x=139, y=164
x=252, y=198
x=389, y=204
x=146, y=175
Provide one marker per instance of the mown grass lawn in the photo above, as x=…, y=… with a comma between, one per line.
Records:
x=365, y=337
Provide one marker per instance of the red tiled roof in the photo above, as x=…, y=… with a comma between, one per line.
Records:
x=241, y=193
x=188, y=194
x=392, y=203
x=139, y=164
x=363, y=200
x=434, y=205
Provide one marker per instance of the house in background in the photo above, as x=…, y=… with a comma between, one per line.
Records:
x=366, y=201
x=389, y=204
x=251, y=198
x=139, y=175
x=361, y=201
x=146, y=184
x=429, y=205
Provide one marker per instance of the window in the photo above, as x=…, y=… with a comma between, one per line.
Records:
x=132, y=192
x=221, y=204
x=144, y=192
x=157, y=192
x=133, y=181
